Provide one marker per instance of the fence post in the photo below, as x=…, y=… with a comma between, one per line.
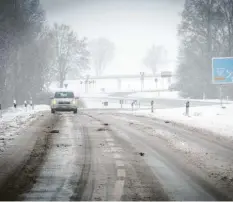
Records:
x=121, y=103
x=14, y=104
x=152, y=106
x=187, y=105
x=31, y=103
x=25, y=105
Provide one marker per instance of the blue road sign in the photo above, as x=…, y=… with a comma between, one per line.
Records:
x=222, y=70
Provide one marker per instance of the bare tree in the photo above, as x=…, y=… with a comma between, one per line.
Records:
x=155, y=56
x=20, y=23
x=102, y=52
x=71, y=53
x=44, y=54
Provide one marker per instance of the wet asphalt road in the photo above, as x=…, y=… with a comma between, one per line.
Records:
x=103, y=155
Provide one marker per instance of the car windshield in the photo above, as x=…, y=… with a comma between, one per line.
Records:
x=64, y=95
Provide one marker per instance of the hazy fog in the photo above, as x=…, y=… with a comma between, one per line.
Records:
x=133, y=25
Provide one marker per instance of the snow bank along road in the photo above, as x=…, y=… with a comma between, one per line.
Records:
x=99, y=155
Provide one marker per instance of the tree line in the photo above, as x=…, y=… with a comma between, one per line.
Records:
x=20, y=21
x=33, y=54
x=206, y=31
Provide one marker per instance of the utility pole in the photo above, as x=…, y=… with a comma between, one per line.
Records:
x=156, y=82
x=142, y=74
x=86, y=83
x=220, y=95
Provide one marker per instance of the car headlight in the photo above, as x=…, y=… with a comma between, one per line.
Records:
x=74, y=102
x=54, y=102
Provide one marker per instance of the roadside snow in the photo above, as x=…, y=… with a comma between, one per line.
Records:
x=93, y=95
x=91, y=103
x=12, y=120
x=172, y=95
x=212, y=118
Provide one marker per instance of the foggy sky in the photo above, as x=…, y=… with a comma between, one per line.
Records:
x=133, y=25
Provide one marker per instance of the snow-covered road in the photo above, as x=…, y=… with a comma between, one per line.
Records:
x=190, y=165
x=113, y=155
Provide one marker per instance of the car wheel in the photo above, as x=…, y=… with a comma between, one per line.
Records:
x=52, y=111
x=75, y=111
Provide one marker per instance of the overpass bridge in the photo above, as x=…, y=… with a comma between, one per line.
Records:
x=166, y=74
x=135, y=81
x=116, y=77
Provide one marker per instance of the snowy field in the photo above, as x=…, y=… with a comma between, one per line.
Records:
x=167, y=96
x=172, y=95
x=92, y=95
x=211, y=118
x=13, y=120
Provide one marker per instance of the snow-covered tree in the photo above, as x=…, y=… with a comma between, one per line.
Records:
x=205, y=32
x=102, y=52
x=71, y=53
x=156, y=56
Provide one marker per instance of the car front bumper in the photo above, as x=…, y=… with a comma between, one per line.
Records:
x=63, y=107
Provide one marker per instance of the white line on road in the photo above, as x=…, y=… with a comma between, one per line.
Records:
x=119, y=163
x=107, y=135
x=117, y=156
x=116, y=149
x=118, y=189
x=110, y=140
x=121, y=173
x=119, y=185
x=111, y=144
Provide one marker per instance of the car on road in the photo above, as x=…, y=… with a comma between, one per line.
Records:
x=64, y=101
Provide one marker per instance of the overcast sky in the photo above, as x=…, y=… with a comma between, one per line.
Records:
x=133, y=25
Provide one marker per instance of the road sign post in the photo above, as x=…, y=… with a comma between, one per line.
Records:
x=142, y=74
x=220, y=95
x=152, y=106
x=187, y=105
x=203, y=96
x=133, y=103
x=121, y=103
x=86, y=83
x=166, y=74
x=222, y=73
x=156, y=83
